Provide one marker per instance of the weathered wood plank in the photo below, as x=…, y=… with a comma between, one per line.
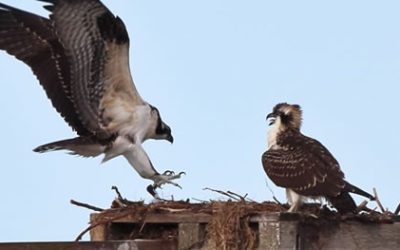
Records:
x=268, y=230
x=189, y=235
x=164, y=218
x=275, y=231
x=109, y=245
x=350, y=235
x=98, y=233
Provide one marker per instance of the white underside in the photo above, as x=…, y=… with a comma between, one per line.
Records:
x=273, y=132
x=140, y=161
x=295, y=200
x=135, y=155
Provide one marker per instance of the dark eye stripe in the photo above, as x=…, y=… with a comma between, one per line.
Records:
x=159, y=129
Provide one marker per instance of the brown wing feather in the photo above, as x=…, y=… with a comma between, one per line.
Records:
x=89, y=33
x=304, y=165
x=31, y=39
x=343, y=202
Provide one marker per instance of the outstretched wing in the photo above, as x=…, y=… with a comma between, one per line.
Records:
x=305, y=166
x=96, y=44
x=31, y=39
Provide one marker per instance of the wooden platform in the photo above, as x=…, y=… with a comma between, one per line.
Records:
x=109, y=245
x=272, y=230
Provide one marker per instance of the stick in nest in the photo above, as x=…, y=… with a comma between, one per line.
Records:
x=120, y=199
x=102, y=222
x=242, y=198
x=273, y=195
x=363, y=206
x=79, y=237
x=378, y=201
x=115, y=188
x=397, y=211
x=229, y=194
x=80, y=204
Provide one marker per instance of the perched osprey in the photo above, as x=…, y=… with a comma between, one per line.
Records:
x=80, y=56
x=303, y=165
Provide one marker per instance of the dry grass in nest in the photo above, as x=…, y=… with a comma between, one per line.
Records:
x=229, y=227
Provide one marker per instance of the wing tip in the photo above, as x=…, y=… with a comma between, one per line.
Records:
x=47, y=147
x=49, y=7
x=40, y=149
x=112, y=28
x=48, y=1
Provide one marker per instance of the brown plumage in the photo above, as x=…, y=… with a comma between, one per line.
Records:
x=80, y=55
x=303, y=165
x=32, y=39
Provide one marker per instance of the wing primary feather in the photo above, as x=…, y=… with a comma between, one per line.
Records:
x=31, y=39
x=73, y=22
x=49, y=7
x=96, y=44
x=343, y=202
x=48, y=1
x=353, y=189
x=112, y=28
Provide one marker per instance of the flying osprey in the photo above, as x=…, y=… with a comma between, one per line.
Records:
x=80, y=56
x=303, y=165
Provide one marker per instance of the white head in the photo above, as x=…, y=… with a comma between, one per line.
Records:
x=161, y=130
x=284, y=116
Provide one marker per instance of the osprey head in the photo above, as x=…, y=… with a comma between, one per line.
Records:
x=290, y=115
x=162, y=130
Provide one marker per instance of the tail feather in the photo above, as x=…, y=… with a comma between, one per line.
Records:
x=353, y=189
x=83, y=146
x=344, y=203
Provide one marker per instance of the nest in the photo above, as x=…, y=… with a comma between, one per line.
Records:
x=228, y=228
x=229, y=222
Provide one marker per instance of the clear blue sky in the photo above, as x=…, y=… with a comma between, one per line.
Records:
x=214, y=69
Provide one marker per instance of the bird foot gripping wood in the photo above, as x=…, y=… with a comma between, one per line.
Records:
x=161, y=179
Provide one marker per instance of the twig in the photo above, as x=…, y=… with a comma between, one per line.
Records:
x=397, y=211
x=277, y=201
x=273, y=195
x=121, y=200
x=242, y=198
x=118, y=193
x=223, y=193
x=80, y=204
x=363, y=206
x=79, y=237
x=199, y=200
x=378, y=201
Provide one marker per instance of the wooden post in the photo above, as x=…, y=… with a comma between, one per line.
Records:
x=98, y=233
x=189, y=234
x=268, y=228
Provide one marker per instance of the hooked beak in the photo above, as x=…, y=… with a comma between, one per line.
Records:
x=271, y=117
x=170, y=138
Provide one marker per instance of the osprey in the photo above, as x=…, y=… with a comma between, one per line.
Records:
x=303, y=165
x=80, y=56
